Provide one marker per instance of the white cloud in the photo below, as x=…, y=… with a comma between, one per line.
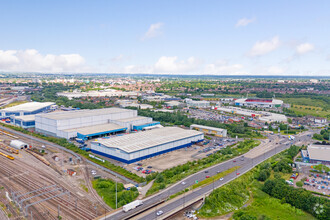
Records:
x=118, y=58
x=32, y=61
x=173, y=65
x=304, y=48
x=222, y=67
x=244, y=22
x=153, y=31
x=275, y=70
x=264, y=47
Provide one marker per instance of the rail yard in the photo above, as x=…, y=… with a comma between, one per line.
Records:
x=35, y=185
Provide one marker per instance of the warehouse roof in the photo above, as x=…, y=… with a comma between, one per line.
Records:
x=132, y=119
x=28, y=107
x=83, y=113
x=96, y=129
x=142, y=140
x=319, y=152
x=26, y=117
x=207, y=127
x=257, y=100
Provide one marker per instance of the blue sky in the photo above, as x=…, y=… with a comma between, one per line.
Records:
x=178, y=37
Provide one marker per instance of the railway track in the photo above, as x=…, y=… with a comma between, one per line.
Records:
x=35, y=181
x=92, y=190
x=85, y=209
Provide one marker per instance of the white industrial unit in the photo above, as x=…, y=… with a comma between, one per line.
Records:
x=130, y=122
x=142, y=145
x=210, y=130
x=29, y=108
x=60, y=124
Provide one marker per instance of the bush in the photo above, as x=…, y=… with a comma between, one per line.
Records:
x=297, y=197
x=299, y=184
x=263, y=175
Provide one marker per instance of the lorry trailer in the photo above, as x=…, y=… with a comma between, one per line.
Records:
x=132, y=205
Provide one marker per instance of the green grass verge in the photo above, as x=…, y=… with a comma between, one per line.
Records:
x=14, y=104
x=179, y=193
x=215, y=177
x=107, y=190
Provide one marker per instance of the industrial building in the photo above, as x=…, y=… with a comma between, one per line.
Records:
x=25, y=121
x=29, y=108
x=264, y=116
x=131, y=123
x=260, y=103
x=219, y=132
x=142, y=145
x=317, y=154
x=197, y=104
x=88, y=124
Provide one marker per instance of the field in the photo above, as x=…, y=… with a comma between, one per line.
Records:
x=309, y=106
x=264, y=205
x=106, y=188
x=310, y=110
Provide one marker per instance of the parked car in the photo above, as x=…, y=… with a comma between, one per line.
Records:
x=206, y=171
x=160, y=212
x=207, y=177
x=221, y=179
x=183, y=183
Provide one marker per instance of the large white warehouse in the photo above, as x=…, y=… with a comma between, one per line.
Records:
x=66, y=124
x=142, y=145
x=29, y=108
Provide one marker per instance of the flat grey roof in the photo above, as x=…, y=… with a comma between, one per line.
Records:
x=28, y=107
x=146, y=139
x=319, y=152
x=26, y=117
x=95, y=129
x=207, y=127
x=132, y=119
x=83, y=113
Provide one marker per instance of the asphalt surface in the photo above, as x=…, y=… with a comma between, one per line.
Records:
x=245, y=165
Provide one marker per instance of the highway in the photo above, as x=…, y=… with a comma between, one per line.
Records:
x=267, y=149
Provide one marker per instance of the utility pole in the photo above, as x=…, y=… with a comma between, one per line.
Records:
x=58, y=210
x=116, y=192
x=287, y=128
